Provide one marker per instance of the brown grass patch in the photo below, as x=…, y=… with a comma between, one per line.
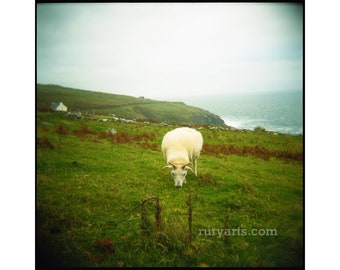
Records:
x=62, y=130
x=141, y=139
x=44, y=143
x=206, y=179
x=105, y=245
x=257, y=151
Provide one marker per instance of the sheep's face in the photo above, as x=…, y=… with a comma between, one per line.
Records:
x=179, y=173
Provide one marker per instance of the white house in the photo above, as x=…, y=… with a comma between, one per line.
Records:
x=58, y=107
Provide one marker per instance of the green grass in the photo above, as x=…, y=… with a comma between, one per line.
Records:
x=123, y=106
x=90, y=188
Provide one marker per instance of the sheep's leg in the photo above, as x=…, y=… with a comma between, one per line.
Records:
x=195, y=164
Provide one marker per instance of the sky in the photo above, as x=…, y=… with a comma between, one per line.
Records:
x=171, y=50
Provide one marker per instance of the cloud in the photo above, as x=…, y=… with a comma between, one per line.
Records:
x=150, y=49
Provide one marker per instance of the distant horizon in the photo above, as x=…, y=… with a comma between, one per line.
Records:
x=275, y=111
x=173, y=98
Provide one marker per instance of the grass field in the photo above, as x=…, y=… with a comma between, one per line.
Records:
x=106, y=201
x=89, y=102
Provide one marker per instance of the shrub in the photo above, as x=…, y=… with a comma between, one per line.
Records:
x=259, y=129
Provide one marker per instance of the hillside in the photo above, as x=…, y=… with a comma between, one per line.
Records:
x=123, y=106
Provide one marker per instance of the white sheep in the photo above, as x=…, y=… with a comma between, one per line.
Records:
x=180, y=147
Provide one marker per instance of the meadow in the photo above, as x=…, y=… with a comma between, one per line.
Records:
x=105, y=200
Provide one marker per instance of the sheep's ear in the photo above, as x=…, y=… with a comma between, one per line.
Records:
x=169, y=166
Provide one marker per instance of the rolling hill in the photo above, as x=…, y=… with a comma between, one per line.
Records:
x=122, y=106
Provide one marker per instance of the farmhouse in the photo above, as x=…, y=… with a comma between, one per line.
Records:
x=58, y=107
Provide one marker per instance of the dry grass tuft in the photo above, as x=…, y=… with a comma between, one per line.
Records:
x=257, y=151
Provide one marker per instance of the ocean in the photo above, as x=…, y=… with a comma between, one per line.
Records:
x=278, y=112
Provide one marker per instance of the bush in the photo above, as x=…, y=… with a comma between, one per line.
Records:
x=259, y=129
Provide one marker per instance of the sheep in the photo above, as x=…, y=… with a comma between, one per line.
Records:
x=180, y=147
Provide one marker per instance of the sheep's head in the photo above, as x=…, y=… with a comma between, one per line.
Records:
x=178, y=172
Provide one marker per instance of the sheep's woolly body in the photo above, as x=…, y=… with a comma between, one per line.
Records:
x=182, y=145
x=176, y=156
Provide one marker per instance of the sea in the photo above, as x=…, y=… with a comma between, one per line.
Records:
x=280, y=112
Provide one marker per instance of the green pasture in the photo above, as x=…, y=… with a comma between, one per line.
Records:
x=97, y=195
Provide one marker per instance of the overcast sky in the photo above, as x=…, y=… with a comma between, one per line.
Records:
x=170, y=50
